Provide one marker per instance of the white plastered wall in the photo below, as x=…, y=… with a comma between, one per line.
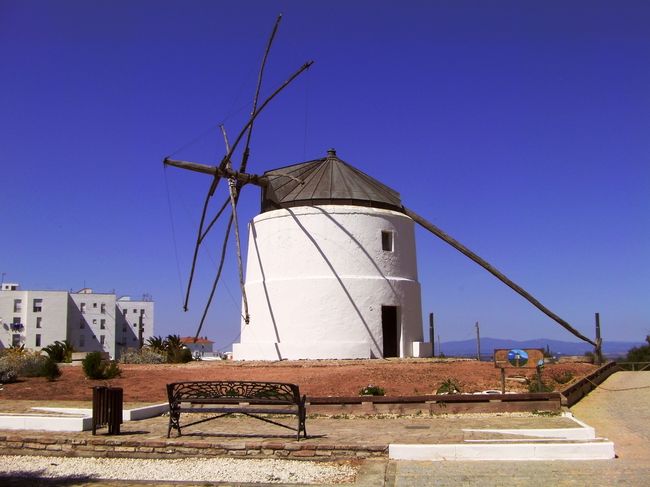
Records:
x=317, y=278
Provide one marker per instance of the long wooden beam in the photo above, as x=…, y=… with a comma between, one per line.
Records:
x=225, y=172
x=495, y=272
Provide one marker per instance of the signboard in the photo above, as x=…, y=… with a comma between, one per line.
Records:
x=527, y=358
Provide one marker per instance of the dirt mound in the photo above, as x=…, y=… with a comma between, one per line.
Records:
x=146, y=383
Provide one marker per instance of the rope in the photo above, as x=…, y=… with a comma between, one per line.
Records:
x=209, y=130
x=616, y=390
x=171, y=221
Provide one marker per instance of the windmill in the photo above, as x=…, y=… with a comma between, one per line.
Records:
x=331, y=258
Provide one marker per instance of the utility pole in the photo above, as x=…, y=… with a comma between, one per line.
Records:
x=478, y=343
x=599, y=342
x=431, y=335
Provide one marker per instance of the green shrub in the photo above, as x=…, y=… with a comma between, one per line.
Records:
x=31, y=365
x=7, y=374
x=371, y=390
x=563, y=377
x=537, y=386
x=50, y=370
x=449, y=386
x=96, y=368
x=112, y=370
x=179, y=355
x=145, y=355
x=26, y=364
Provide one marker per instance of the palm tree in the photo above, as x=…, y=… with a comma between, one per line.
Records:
x=157, y=344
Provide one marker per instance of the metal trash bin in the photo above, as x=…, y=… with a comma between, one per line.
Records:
x=107, y=408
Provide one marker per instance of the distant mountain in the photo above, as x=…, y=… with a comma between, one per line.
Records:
x=467, y=348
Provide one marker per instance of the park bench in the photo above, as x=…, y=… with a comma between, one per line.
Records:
x=223, y=398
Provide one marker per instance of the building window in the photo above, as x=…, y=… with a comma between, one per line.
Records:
x=39, y=322
x=94, y=305
x=387, y=241
x=38, y=305
x=135, y=310
x=38, y=340
x=16, y=324
x=81, y=323
x=18, y=305
x=15, y=340
x=124, y=329
x=103, y=308
x=125, y=311
x=102, y=324
x=102, y=339
x=83, y=307
x=82, y=341
x=94, y=322
x=134, y=325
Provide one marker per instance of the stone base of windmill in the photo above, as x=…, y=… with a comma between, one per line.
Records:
x=317, y=350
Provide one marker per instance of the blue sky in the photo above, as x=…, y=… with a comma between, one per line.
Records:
x=520, y=128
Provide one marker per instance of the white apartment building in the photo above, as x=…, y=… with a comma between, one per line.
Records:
x=90, y=321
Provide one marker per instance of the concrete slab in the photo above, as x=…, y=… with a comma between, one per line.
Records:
x=71, y=419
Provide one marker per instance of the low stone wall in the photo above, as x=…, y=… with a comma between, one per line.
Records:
x=436, y=404
x=115, y=448
x=572, y=394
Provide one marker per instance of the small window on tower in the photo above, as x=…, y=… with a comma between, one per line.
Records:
x=387, y=241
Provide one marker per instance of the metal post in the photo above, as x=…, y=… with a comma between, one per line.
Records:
x=478, y=343
x=431, y=335
x=599, y=342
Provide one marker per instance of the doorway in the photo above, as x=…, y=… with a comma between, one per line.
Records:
x=390, y=331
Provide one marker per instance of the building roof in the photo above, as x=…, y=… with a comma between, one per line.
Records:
x=326, y=181
x=198, y=340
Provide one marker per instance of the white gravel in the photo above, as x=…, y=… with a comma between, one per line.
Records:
x=195, y=469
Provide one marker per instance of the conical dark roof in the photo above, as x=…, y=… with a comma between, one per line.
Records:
x=327, y=181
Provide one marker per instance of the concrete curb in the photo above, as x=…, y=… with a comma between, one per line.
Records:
x=594, y=450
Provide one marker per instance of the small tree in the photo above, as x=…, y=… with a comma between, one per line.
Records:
x=60, y=351
x=640, y=354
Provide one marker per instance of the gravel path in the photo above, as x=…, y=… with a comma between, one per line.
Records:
x=208, y=470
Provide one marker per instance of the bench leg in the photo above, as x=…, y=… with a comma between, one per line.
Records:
x=174, y=422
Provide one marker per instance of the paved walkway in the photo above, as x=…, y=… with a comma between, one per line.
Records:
x=619, y=409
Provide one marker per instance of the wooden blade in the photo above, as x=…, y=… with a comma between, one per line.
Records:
x=199, y=238
x=234, y=193
x=495, y=272
x=217, y=277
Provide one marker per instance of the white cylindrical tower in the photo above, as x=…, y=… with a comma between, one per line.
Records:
x=331, y=275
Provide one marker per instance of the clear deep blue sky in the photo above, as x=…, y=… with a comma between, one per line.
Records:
x=520, y=128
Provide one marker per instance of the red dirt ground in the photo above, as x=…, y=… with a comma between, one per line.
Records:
x=146, y=383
